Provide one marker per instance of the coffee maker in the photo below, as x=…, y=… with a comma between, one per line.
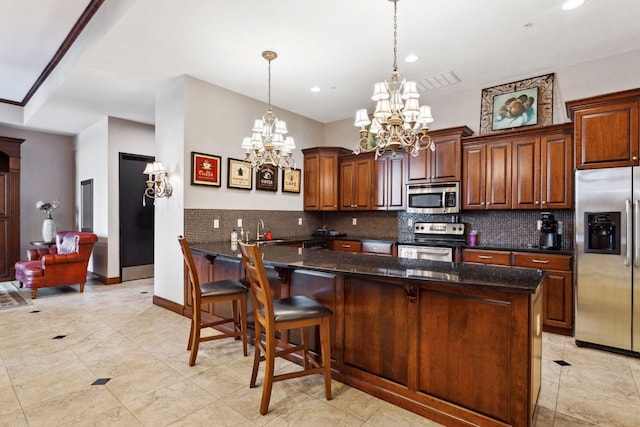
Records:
x=548, y=231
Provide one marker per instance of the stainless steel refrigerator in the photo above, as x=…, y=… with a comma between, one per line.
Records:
x=608, y=258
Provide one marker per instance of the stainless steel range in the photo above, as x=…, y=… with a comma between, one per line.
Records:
x=434, y=241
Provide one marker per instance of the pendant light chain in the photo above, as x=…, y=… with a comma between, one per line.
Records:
x=269, y=87
x=395, y=36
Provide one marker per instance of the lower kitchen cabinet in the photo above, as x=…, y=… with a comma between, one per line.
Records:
x=558, y=289
x=484, y=256
x=346, y=245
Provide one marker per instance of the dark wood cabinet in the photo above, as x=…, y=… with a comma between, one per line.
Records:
x=529, y=169
x=389, y=188
x=356, y=182
x=442, y=164
x=346, y=245
x=542, y=176
x=321, y=178
x=557, y=313
x=606, y=130
x=9, y=206
x=487, y=176
x=484, y=256
x=376, y=336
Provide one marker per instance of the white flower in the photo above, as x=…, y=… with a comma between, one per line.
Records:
x=48, y=207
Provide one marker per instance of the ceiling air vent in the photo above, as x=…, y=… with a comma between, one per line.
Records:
x=437, y=81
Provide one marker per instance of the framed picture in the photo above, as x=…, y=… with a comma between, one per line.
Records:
x=291, y=181
x=267, y=178
x=205, y=169
x=526, y=102
x=239, y=175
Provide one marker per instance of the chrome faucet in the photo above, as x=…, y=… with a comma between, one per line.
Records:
x=258, y=235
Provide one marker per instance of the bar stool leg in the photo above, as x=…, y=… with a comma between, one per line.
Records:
x=325, y=344
x=270, y=347
x=195, y=338
x=243, y=322
x=256, y=355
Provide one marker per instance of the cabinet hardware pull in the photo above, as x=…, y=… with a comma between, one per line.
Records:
x=634, y=158
x=541, y=261
x=485, y=256
x=346, y=246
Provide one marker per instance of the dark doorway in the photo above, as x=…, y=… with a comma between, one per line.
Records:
x=136, y=220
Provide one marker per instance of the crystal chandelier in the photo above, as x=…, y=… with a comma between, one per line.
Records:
x=267, y=145
x=399, y=122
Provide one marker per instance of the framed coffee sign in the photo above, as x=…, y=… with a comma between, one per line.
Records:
x=239, y=174
x=205, y=169
x=291, y=181
x=267, y=178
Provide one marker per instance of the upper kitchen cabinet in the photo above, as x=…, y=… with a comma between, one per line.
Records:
x=486, y=182
x=443, y=164
x=389, y=188
x=524, y=169
x=356, y=182
x=321, y=178
x=542, y=172
x=606, y=130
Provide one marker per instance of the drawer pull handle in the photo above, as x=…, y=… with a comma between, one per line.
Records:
x=346, y=246
x=541, y=261
x=485, y=256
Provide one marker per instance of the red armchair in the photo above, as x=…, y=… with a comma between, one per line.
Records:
x=64, y=264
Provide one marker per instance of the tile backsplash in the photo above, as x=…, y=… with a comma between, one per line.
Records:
x=505, y=228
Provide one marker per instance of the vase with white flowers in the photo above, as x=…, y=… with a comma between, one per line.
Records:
x=48, y=225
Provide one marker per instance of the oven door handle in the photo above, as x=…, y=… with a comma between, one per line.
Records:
x=433, y=251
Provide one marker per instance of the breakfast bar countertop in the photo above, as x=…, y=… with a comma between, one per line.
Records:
x=509, y=279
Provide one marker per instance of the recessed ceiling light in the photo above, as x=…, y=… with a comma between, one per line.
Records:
x=411, y=58
x=315, y=89
x=572, y=4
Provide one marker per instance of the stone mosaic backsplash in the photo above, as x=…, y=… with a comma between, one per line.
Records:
x=502, y=228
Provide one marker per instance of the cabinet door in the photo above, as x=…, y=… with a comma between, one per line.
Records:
x=526, y=174
x=328, y=178
x=482, y=256
x=376, y=331
x=347, y=179
x=389, y=189
x=312, y=182
x=346, y=245
x=445, y=160
x=498, y=174
x=356, y=183
x=558, y=302
x=607, y=136
x=557, y=172
x=474, y=176
x=417, y=169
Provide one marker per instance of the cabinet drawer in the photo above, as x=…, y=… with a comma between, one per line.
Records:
x=487, y=257
x=542, y=261
x=346, y=245
x=375, y=247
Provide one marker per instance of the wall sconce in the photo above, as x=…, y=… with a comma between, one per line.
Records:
x=157, y=185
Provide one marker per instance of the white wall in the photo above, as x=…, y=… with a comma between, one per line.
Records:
x=612, y=74
x=92, y=146
x=192, y=115
x=46, y=173
x=128, y=137
x=97, y=158
x=216, y=121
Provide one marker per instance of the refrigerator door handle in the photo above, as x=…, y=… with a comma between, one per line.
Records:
x=636, y=237
x=627, y=205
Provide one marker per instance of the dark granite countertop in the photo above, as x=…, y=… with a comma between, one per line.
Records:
x=510, y=279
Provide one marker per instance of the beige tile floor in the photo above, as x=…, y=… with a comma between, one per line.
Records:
x=116, y=332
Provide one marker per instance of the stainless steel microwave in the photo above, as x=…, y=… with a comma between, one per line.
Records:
x=441, y=198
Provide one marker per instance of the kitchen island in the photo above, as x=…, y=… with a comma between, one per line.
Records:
x=456, y=343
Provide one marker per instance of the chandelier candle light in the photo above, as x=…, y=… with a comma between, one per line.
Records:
x=267, y=145
x=399, y=122
x=157, y=185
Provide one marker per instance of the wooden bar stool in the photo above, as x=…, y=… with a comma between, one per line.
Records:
x=282, y=314
x=213, y=292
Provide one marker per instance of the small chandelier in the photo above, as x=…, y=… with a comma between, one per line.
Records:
x=267, y=145
x=398, y=121
x=157, y=185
